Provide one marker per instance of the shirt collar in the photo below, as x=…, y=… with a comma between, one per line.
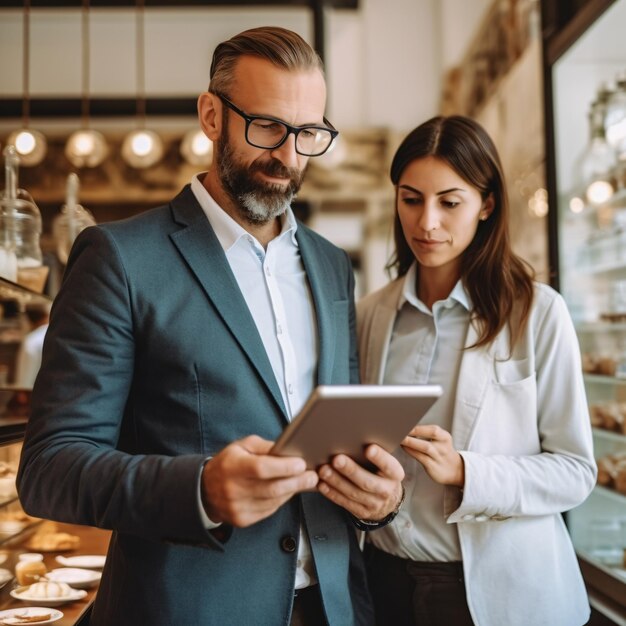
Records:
x=227, y=230
x=409, y=294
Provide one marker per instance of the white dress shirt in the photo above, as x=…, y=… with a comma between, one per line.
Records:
x=28, y=360
x=269, y=280
x=426, y=348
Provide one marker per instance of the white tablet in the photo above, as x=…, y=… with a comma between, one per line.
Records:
x=346, y=418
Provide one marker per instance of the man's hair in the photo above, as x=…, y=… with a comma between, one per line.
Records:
x=279, y=46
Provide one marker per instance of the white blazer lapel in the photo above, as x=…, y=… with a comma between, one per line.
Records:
x=379, y=330
x=475, y=375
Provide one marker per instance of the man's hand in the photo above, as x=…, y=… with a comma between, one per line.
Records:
x=367, y=495
x=432, y=446
x=243, y=484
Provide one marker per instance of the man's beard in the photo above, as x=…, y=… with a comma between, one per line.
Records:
x=258, y=202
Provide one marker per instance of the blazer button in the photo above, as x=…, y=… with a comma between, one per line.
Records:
x=288, y=543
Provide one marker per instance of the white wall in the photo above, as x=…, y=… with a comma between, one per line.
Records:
x=384, y=60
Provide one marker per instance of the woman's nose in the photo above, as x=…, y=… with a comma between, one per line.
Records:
x=429, y=219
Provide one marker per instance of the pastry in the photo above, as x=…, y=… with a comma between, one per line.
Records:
x=51, y=542
x=46, y=590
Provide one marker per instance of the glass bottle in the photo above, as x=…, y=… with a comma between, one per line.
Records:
x=71, y=221
x=596, y=164
x=20, y=219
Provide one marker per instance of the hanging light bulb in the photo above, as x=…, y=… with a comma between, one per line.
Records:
x=86, y=147
x=30, y=145
x=196, y=148
x=141, y=148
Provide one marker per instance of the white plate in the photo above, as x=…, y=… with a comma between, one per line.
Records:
x=11, y=616
x=90, y=561
x=74, y=577
x=21, y=594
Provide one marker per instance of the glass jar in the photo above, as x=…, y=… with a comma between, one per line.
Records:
x=20, y=218
x=30, y=568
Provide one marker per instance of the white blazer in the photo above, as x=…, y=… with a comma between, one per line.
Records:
x=522, y=426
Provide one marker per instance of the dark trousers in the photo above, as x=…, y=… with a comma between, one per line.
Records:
x=411, y=593
x=307, y=608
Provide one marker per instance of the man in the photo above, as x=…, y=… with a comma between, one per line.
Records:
x=180, y=345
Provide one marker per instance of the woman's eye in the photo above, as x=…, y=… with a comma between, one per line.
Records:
x=410, y=200
x=449, y=204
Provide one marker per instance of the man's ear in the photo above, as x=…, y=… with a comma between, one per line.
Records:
x=208, y=115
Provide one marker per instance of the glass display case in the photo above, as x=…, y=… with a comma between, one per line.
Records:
x=586, y=175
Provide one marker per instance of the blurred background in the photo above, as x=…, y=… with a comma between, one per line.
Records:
x=98, y=122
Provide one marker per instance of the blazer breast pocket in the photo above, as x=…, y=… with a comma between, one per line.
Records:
x=508, y=422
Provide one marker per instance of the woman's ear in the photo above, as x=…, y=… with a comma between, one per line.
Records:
x=488, y=206
x=210, y=121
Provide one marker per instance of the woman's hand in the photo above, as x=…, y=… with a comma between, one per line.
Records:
x=432, y=446
x=368, y=495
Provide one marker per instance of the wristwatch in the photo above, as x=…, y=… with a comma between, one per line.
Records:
x=365, y=524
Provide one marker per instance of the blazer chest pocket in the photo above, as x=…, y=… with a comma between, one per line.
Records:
x=511, y=372
x=510, y=411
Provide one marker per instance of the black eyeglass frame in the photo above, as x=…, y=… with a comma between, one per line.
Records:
x=296, y=130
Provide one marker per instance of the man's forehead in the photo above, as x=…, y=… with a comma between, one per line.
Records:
x=262, y=88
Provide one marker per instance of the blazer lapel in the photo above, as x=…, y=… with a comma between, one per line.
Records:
x=380, y=329
x=200, y=248
x=319, y=271
x=474, y=376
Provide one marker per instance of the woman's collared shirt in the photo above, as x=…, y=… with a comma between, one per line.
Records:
x=426, y=347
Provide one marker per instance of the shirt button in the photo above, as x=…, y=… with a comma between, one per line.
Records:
x=267, y=270
x=482, y=517
x=288, y=543
x=290, y=388
x=468, y=517
x=279, y=329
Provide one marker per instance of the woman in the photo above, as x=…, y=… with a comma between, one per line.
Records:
x=489, y=469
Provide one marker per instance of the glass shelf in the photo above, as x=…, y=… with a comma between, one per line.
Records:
x=601, y=327
x=609, y=267
x=617, y=570
x=610, y=493
x=603, y=380
x=609, y=435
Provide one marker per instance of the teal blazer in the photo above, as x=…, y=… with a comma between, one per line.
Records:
x=152, y=363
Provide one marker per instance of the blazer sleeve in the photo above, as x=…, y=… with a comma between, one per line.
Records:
x=563, y=472
x=70, y=469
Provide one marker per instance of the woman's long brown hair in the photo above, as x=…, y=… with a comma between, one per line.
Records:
x=499, y=282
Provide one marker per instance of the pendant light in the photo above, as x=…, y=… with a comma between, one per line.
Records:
x=196, y=148
x=142, y=147
x=30, y=144
x=85, y=147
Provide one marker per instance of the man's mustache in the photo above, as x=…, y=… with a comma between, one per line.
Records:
x=276, y=169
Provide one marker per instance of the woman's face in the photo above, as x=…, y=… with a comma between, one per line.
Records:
x=439, y=212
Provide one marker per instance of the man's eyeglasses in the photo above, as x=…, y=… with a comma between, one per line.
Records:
x=270, y=133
